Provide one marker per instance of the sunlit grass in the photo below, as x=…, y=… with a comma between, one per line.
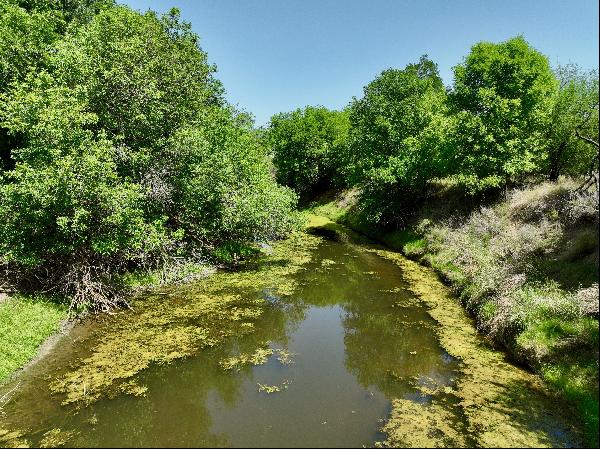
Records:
x=24, y=324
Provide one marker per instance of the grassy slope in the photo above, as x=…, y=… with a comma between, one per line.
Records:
x=24, y=325
x=525, y=266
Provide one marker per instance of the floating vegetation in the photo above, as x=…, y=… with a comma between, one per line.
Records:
x=258, y=357
x=407, y=302
x=327, y=262
x=263, y=388
x=133, y=388
x=413, y=424
x=175, y=325
x=93, y=420
x=268, y=388
x=285, y=357
x=496, y=400
x=55, y=438
x=12, y=438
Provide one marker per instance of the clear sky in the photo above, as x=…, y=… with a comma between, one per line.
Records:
x=278, y=55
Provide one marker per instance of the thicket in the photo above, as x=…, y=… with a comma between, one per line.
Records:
x=119, y=151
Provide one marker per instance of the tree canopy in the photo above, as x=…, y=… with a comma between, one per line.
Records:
x=501, y=100
x=123, y=152
x=306, y=146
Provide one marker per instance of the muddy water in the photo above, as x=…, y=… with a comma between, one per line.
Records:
x=318, y=355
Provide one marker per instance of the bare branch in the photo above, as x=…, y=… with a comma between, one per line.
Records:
x=587, y=139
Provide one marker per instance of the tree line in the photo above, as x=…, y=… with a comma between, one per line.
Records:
x=119, y=152
x=507, y=118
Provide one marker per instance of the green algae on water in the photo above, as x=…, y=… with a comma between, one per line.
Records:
x=494, y=403
x=56, y=438
x=258, y=357
x=269, y=389
x=285, y=357
x=502, y=405
x=12, y=438
x=176, y=325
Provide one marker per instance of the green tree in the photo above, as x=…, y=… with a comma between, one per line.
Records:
x=24, y=41
x=397, y=131
x=307, y=145
x=143, y=76
x=574, y=110
x=501, y=100
x=28, y=29
x=129, y=155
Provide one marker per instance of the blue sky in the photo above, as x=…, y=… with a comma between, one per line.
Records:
x=278, y=55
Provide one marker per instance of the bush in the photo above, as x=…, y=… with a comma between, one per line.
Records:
x=73, y=222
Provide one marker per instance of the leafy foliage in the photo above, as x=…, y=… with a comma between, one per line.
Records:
x=500, y=98
x=574, y=110
x=128, y=155
x=307, y=145
x=397, y=130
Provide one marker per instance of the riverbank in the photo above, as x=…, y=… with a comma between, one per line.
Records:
x=30, y=324
x=525, y=267
x=494, y=402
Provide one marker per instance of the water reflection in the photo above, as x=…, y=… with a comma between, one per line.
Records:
x=359, y=338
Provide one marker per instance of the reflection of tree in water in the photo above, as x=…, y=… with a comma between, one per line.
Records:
x=379, y=338
x=323, y=286
x=175, y=411
x=379, y=344
x=390, y=347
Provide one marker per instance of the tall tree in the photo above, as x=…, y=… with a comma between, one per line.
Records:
x=501, y=97
x=395, y=137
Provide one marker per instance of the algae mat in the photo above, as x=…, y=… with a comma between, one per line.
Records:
x=502, y=405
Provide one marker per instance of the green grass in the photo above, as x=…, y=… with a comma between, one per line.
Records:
x=572, y=377
x=24, y=324
x=330, y=210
